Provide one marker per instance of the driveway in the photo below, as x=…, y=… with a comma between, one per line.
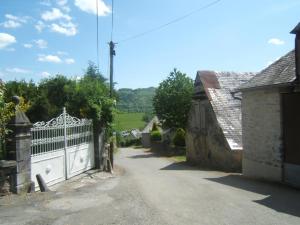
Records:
x=147, y=189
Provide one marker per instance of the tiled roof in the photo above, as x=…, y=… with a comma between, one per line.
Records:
x=226, y=108
x=283, y=71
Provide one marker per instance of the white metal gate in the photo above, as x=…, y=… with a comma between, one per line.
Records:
x=61, y=148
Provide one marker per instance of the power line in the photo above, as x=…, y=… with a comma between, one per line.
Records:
x=170, y=22
x=112, y=20
x=97, y=18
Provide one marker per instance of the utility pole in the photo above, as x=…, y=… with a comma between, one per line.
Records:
x=112, y=53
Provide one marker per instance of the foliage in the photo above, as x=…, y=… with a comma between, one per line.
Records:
x=179, y=138
x=138, y=100
x=27, y=90
x=86, y=97
x=7, y=111
x=92, y=72
x=154, y=127
x=155, y=135
x=148, y=117
x=172, y=100
x=53, y=93
x=127, y=141
x=128, y=121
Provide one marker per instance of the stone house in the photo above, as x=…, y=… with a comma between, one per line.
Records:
x=214, y=131
x=271, y=120
x=146, y=139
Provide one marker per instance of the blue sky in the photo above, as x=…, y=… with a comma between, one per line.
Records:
x=42, y=38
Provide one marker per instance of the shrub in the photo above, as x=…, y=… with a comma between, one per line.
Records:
x=179, y=137
x=155, y=135
x=154, y=127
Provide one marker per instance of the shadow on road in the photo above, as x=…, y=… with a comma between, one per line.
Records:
x=280, y=198
x=144, y=156
x=179, y=166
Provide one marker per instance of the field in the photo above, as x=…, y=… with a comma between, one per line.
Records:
x=129, y=121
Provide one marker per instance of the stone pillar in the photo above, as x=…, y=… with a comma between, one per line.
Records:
x=96, y=132
x=18, y=148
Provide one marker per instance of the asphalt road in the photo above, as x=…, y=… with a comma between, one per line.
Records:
x=153, y=190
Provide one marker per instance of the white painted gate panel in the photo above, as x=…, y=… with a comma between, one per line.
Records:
x=50, y=166
x=79, y=159
x=61, y=148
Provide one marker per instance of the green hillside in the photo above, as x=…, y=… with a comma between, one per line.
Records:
x=129, y=121
x=138, y=100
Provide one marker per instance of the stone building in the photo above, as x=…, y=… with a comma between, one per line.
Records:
x=271, y=121
x=146, y=140
x=214, y=134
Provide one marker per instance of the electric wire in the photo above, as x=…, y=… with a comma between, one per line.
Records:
x=97, y=22
x=170, y=22
x=112, y=20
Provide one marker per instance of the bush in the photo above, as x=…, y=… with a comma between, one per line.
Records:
x=179, y=138
x=154, y=127
x=155, y=135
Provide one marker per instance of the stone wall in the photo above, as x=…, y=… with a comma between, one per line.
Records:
x=206, y=145
x=262, y=134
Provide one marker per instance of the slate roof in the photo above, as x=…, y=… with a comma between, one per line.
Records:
x=218, y=87
x=149, y=126
x=281, y=72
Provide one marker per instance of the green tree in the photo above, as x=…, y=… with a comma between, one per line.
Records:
x=92, y=71
x=172, y=100
x=27, y=90
x=89, y=97
x=53, y=94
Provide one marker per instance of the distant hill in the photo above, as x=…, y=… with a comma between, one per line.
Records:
x=137, y=100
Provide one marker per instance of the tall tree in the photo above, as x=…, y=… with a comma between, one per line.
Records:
x=172, y=100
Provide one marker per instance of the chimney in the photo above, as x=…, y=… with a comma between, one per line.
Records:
x=296, y=31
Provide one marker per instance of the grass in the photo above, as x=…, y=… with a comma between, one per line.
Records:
x=181, y=158
x=129, y=121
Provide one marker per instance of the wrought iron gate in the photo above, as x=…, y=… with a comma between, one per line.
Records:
x=61, y=148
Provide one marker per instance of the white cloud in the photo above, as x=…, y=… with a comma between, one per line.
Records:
x=17, y=70
x=41, y=43
x=69, y=61
x=16, y=18
x=276, y=41
x=63, y=5
x=68, y=29
x=55, y=14
x=89, y=6
x=6, y=40
x=11, y=24
x=45, y=74
x=49, y=58
x=40, y=26
x=14, y=21
x=27, y=45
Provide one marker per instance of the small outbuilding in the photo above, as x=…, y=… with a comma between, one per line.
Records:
x=271, y=120
x=214, y=130
x=146, y=139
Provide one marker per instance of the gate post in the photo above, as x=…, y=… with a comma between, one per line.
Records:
x=65, y=142
x=18, y=147
x=98, y=135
